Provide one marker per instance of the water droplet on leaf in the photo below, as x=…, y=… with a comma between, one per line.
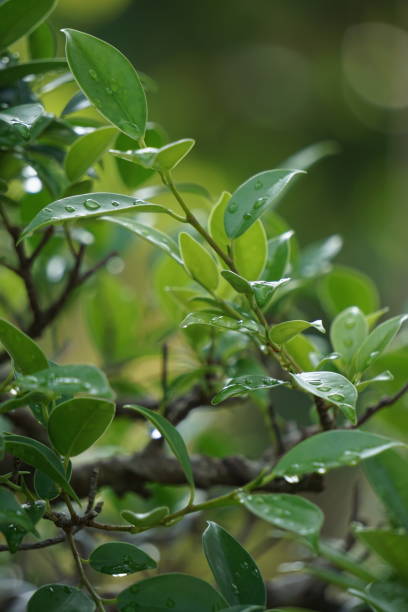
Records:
x=91, y=204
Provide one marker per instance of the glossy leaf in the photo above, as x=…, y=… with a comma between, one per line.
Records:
x=377, y=342
x=11, y=512
x=253, y=197
x=26, y=355
x=119, y=559
x=163, y=159
x=216, y=221
x=179, y=591
x=19, y=71
x=109, y=80
x=380, y=378
x=87, y=150
x=291, y=512
x=384, y=596
x=333, y=388
x=234, y=570
x=310, y=155
x=145, y=520
x=348, y=331
x=87, y=206
x=39, y=456
x=239, y=283
x=388, y=476
x=264, y=291
x=58, y=598
x=76, y=424
x=134, y=175
x=173, y=439
x=14, y=532
x=198, y=262
x=330, y=450
x=148, y=233
x=344, y=287
x=278, y=257
x=78, y=102
x=68, y=380
x=20, y=120
x=316, y=258
x=19, y=17
x=391, y=546
x=283, y=332
x=219, y=321
x=245, y=384
x=302, y=351
x=250, y=250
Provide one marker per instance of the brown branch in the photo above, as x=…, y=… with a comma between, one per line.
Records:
x=325, y=419
x=36, y=545
x=386, y=401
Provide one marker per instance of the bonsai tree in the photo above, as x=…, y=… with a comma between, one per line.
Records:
x=228, y=288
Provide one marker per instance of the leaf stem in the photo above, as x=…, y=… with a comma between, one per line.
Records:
x=81, y=572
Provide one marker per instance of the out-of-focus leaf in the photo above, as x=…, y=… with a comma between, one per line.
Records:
x=384, y=596
x=344, y=287
x=60, y=598
x=41, y=66
x=68, y=380
x=278, y=256
x=245, y=384
x=165, y=158
x=220, y=321
x=87, y=150
x=391, y=546
x=119, y=559
x=19, y=17
x=26, y=355
x=316, y=258
x=377, y=342
x=348, y=331
x=250, y=250
x=198, y=262
x=42, y=42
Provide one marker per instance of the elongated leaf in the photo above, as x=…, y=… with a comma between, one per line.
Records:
x=303, y=352
x=344, y=287
x=19, y=71
x=91, y=205
x=250, y=250
x=78, y=102
x=311, y=154
x=120, y=559
x=20, y=121
x=283, y=332
x=14, y=532
x=216, y=221
x=68, y=380
x=377, y=342
x=42, y=42
x=290, y=512
x=390, y=545
x=382, y=377
x=173, y=439
x=332, y=387
x=150, y=234
x=198, y=262
x=388, y=476
x=87, y=150
x=40, y=456
x=219, y=321
x=19, y=17
x=60, y=598
x=348, y=331
x=26, y=355
x=22, y=400
x=239, y=283
x=316, y=258
x=253, y=197
x=76, y=424
x=245, y=384
x=11, y=512
x=109, y=80
x=278, y=257
x=145, y=520
x=330, y=450
x=234, y=570
x=179, y=591
x=384, y=596
x=162, y=159
x=264, y=291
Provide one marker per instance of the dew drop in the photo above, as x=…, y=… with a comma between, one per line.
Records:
x=247, y=215
x=337, y=397
x=69, y=209
x=232, y=207
x=258, y=185
x=348, y=342
x=115, y=203
x=266, y=381
x=92, y=74
x=91, y=204
x=114, y=86
x=324, y=388
x=108, y=91
x=291, y=479
x=259, y=203
x=350, y=323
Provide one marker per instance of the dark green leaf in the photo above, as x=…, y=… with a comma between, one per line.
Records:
x=68, y=380
x=234, y=570
x=377, y=342
x=19, y=17
x=20, y=120
x=44, y=486
x=60, y=598
x=384, y=596
x=245, y=384
x=19, y=71
x=11, y=512
x=173, y=439
x=145, y=520
x=119, y=559
x=239, y=283
x=198, y=262
x=26, y=355
x=76, y=424
x=109, y=80
x=87, y=150
x=283, y=332
x=179, y=591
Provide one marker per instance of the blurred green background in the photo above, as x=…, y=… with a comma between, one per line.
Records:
x=255, y=81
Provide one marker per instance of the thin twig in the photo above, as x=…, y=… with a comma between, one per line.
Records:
x=386, y=401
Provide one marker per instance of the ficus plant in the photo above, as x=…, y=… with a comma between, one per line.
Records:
x=230, y=287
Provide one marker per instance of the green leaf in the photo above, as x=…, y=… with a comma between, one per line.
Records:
x=388, y=476
x=21, y=119
x=316, y=258
x=245, y=384
x=11, y=512
x=253, y=197
x=42, y=42
x=145, y=520
x=68, y=380
x=76, y=424
x=87, y=150
x=173, y=439
x=382, y=377
x=198, y=262
x=348, y=331
x=60, y=598
x=150, y=234
x=330, y=450
x=119, y=559
x=344, y=287
x=244, y=608
x=384, y=596
x=179, y=591
x=26, y=355
x=249, y=251
x=19, y=17
x=290, y=512
x=91, y=205
x=244, y=326
x=377, y=342
x=109, y=80
x=311, y=154
x=278, y=257
x=391, y=546
x=234, y=570
x=14, y=531
x=19, y=71
x=44, y=486
x=283, y=332
x=216, y=221
x=333, y=388
x=264, y=291
x=41, y=457
x=163, y=159
x=132, y=174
